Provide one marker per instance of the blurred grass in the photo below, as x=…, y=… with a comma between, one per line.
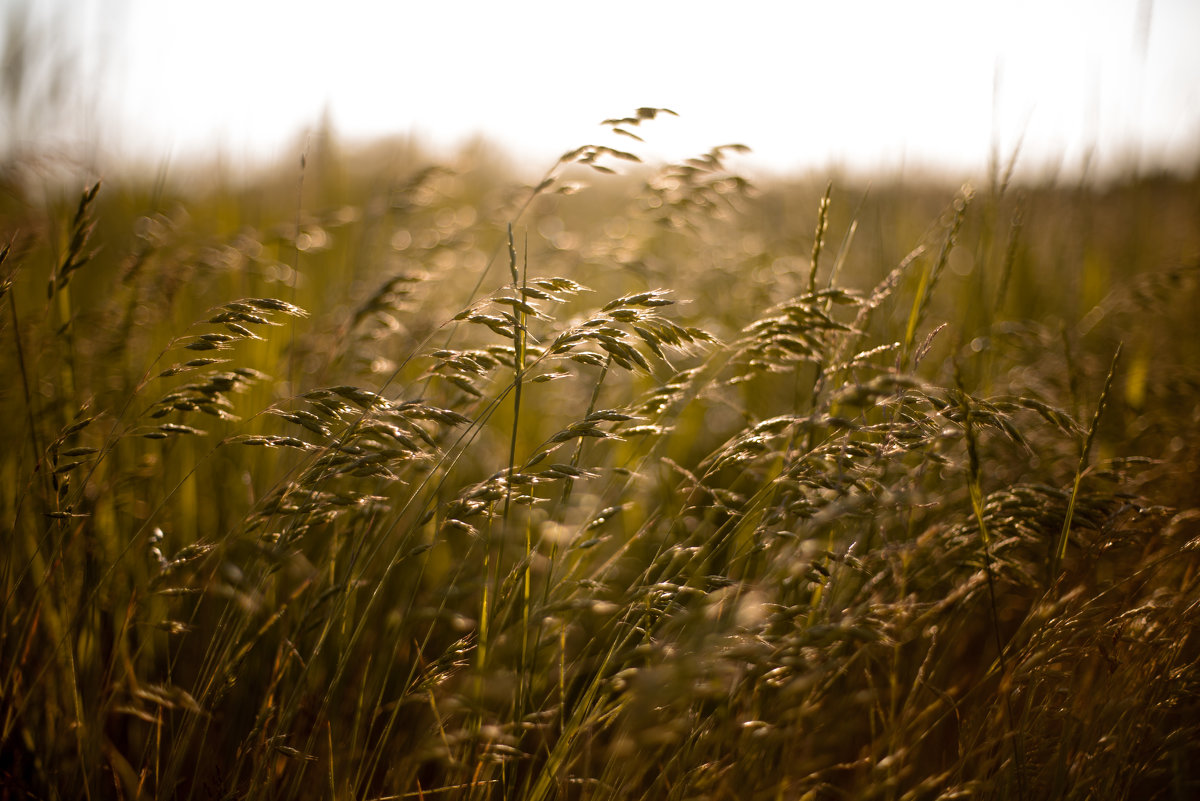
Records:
x=787, y=528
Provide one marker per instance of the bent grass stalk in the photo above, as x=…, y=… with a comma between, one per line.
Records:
x=975, y=490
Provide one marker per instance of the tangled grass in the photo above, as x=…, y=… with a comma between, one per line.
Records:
x=888, y=508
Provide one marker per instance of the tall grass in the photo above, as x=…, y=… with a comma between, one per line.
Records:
x=719, y=491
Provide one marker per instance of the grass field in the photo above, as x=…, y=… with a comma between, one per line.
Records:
x=377, y=478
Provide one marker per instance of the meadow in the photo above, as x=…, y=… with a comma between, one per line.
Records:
x=376, y=477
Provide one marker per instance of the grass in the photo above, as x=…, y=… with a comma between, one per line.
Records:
x=718, y=491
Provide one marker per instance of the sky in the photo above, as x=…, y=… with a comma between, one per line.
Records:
x=864, y=85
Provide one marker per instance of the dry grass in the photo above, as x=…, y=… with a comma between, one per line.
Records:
x=718, y=491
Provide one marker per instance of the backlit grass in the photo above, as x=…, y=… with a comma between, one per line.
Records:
x=378, y=478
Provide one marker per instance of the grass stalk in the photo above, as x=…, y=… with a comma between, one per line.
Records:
x=1060, y=547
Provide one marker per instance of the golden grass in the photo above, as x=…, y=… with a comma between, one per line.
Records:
x=720, y=491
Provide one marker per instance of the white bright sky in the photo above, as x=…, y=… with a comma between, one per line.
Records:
x=857, y=83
